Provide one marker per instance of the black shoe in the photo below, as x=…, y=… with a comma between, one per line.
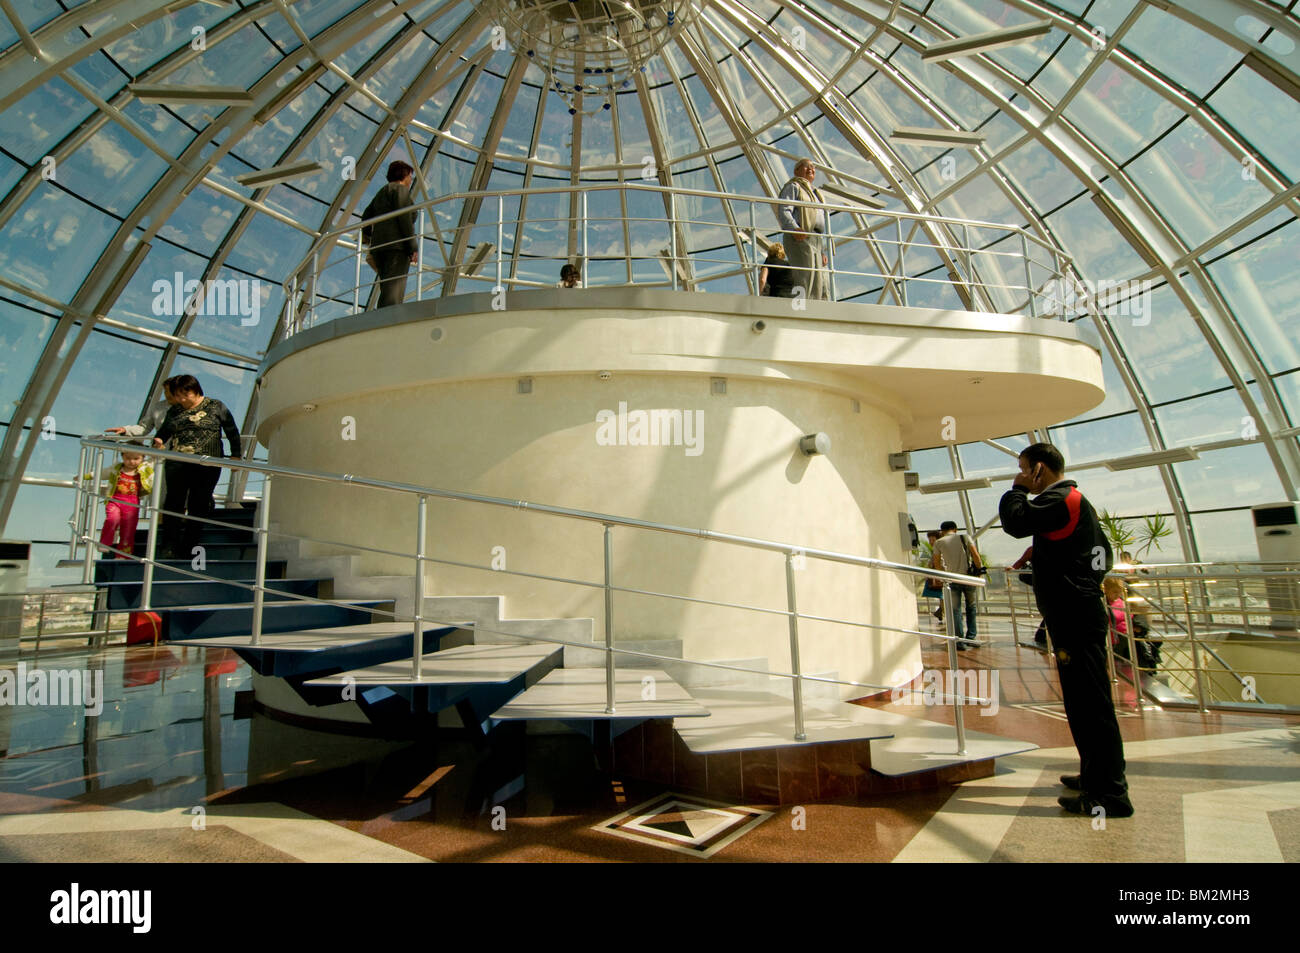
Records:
x=1072, y=781
x=1085, y=804
x=938, y=614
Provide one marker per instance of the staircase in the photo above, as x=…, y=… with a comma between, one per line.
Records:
x=482, y=671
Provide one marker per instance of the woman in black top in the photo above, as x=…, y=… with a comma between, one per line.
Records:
x=193, y=425
x=775, y=279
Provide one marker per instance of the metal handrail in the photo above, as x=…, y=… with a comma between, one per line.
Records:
x=953, y=255
x=97, y=444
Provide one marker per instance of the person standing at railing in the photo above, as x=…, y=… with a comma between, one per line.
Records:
x=1071, y=558
x=194, y=426
x=393, y=248
x=570, y=277
x=804, y=228
x=775, y=280
x=126, y=483
x=954, y=553
x=153, y=417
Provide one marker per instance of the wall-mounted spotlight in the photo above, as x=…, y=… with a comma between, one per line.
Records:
x=815, y=443
x=758, y=327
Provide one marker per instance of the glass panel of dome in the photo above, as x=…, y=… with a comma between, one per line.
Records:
x=10, y=173
x=1225, y=536
x=243, y=327
x=752, y=102
x=54, y=226
x=142, y=48
x=1123, y=492
x=33, y=125
x=598, y=141
x=1186, y=54
x=632, y=132
x=1166, y=350
x=237, y=60
x=1258, y=283
x=1196, y=183
x=1101, y=439
x=674, y=123
x=41, y=513
x=517, y=136
x=1043, y=179
x=1205, y=419
x=108, y=384
x=346, y=134
x=264, y=144
x=710, y=119
x=163, y=127
x=56, y=459
x=1106, y=14
x=268, y=248
x=354, y=58
x=100, y=75
x=113, y=167
x=201, y=221
x=1272, y=132
x=1097, y=250
x=1119, y=113
x=983, y=199
x=1288, y=388
x=1229, y=477
x=471, y=122
x=1056, y=78
x=23, y=334
x=979, y=459
x=1118, y=398
x=806, y=36
x=148, y=299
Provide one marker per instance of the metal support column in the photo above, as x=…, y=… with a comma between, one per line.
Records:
x=263, y=532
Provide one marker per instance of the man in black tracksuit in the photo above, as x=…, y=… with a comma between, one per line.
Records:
x=1071, y=557
x=392, y=241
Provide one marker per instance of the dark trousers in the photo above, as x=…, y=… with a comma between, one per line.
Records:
x=393, y=266
x=1079, y=639
x=187, y=488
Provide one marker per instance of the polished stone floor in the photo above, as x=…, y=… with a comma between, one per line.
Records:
x=176, y=768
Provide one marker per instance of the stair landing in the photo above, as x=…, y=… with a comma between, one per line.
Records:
x=578, y=694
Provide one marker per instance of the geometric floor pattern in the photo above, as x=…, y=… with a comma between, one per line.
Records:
x=688, y=825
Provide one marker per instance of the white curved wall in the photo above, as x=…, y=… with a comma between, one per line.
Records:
x=435, y=401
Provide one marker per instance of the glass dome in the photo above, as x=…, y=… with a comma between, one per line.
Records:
x=1158, y=147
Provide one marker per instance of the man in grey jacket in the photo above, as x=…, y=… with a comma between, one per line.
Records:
x=392, y=243
x=152, y=418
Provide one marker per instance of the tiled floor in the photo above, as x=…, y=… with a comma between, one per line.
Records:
x=167, y=772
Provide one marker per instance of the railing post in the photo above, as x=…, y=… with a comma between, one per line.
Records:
x=151, y=547
x=609, y=619
x=311, y=291
x=263, y=532
x=830, y=257
x=421, y=538
x=959, y=702
x=419, y=258
x=1133, y=666
x=586, y=263
x=792, y=605
x=356, y=290
x=1196, y=655
x=1011, y=601
x=1029, y=278
x=1241, y=601
x=672, y=239
x=501, y=231
x=902, y=265
x=753, y=248
x=88, y=561
x=78, y=505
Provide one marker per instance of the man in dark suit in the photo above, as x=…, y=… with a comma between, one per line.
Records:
x=392, y=242
x=1071, y=557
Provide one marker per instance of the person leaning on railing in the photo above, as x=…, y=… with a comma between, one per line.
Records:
x=393, y=249
x=775, y=279
x=194, y=425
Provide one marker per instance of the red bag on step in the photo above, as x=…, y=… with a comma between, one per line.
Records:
x=143, y=628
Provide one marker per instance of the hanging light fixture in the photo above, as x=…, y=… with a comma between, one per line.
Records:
x=590, y=49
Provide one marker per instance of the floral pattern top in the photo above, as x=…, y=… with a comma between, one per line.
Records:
x=199, y=430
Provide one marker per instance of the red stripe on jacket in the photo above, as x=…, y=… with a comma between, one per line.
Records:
x=1073, y=499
